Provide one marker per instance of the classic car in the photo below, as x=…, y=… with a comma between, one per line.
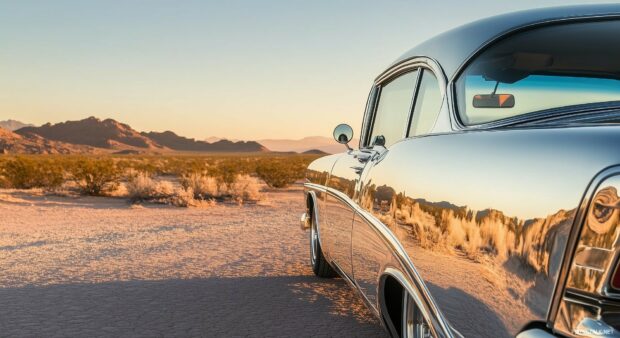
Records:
x=482, y=200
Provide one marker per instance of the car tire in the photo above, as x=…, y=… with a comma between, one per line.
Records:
x=320, y=267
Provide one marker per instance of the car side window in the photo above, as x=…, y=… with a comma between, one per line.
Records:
x=393, y=108
x=427, y=105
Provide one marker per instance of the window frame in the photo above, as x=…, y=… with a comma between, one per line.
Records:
x=456, y=116
x=415, y=101
x=379, y=87
x=421, y=64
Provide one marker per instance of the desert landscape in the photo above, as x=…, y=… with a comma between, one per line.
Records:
x=100, y=266
x=110, y=232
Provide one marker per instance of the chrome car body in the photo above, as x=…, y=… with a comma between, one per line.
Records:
x=498, y=229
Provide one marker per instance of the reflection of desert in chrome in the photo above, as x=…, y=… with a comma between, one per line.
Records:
x=503, y=260
x=92, y=266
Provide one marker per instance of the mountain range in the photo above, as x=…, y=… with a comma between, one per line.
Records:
x=13, y=125
x=93, y=135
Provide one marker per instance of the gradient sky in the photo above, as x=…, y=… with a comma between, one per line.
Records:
x=237, y=69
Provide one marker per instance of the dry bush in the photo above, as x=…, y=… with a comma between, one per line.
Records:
x=245, y=188
x=141, y=187
x=4, y=183
x=96, y=176
x=203, y=187
x=28, y=173
x=183, y=198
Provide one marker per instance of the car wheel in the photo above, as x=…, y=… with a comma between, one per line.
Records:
x=320, y=267
x=414, y=324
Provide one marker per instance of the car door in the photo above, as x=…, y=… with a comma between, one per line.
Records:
x=338, y=220
x=390, y=124
x=394, y=104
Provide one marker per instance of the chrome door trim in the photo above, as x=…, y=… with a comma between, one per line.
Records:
x=351, y=282
x=413, y=63
x=439, y=323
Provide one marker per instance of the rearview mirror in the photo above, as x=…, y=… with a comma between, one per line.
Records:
x=343, y=133
x=494, y=101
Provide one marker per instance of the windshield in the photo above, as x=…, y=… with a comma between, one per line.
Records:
x=551, y=67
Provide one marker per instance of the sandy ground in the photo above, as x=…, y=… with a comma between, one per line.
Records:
x=100, y=267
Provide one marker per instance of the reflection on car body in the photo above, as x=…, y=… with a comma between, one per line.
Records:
x=483, y=198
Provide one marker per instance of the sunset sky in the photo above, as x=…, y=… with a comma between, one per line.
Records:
x=236, y=69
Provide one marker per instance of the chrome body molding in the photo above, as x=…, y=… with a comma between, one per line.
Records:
x=404, y=272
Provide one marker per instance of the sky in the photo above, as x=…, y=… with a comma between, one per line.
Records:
x=236, y=69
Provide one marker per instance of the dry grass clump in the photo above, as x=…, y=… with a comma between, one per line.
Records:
x=243, y=188
x=141, y=187
x=203, y=186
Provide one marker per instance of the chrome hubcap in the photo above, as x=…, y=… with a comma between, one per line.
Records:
x=414, y=324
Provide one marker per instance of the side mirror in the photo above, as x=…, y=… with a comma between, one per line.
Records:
x=343, y=134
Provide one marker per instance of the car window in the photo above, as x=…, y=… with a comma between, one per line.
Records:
x=393, y=108
x=427, y=105
x=545, y=68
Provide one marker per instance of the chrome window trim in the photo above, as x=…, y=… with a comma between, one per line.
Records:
x=405, y=66
x=369, y=116
x=438, y=322
x=414, y=100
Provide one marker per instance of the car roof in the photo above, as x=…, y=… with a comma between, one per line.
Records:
x=455, y=47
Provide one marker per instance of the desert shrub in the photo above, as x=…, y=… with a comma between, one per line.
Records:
x=279, y=173
x=96, y=176
x=245, y=188
x=225, y=172
x=141, y=187
x=183, y=198
x=28, y=173
x=4, y=182
x=203, y=186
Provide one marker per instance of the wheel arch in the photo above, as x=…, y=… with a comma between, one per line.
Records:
x=391, y=282
x=312, y=208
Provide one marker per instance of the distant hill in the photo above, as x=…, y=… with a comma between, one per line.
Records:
x=13, y=125
x=314, y=152
x=107, y=134
x=173, y=141
x=13, y=143
x=325, y=144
